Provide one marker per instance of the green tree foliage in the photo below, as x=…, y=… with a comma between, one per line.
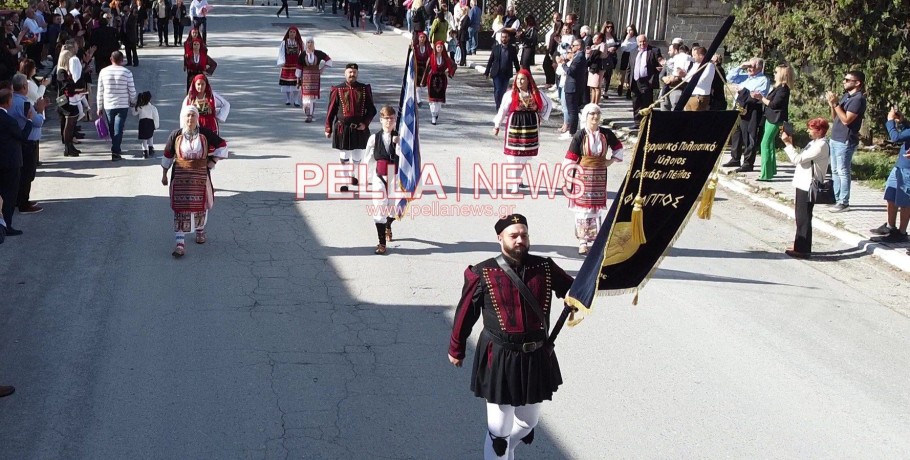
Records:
x=14, y=5
x=823, y=40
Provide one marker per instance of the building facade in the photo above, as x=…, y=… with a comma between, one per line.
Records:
x=660, y=20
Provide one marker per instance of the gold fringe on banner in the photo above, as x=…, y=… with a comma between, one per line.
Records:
x=707, y=198
x=638, y=224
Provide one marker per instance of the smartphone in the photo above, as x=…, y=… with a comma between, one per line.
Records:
x=787, y=127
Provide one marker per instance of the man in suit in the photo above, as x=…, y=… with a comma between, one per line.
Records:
x=576, y=84
x=106, y=42
x=130, y=35
x=11, y=139
x=503, y=63
x=645, y=71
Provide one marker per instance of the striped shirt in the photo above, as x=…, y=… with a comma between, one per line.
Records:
x=116, y=89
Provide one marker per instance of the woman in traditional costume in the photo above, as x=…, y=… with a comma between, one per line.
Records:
x=211, y=106
x=523, y=108
x=288, y=56
x=193, y=151
x=593, y=149
x=422, y=53
x=438, y=71
x=309, y=76
x=196, y=60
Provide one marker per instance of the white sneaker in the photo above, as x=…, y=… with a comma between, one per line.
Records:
x=565, y=136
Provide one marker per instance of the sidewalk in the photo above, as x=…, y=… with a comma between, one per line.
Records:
x=867, y=208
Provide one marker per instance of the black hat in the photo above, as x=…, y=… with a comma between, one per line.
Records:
x=352, y=66
x=511, y=219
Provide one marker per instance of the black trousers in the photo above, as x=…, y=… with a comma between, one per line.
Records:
x=642, y=96
x=202, y=25
x=9, y=191
x=284, y=7
x=572, y=100
x=549, y=71
x=162, y=31
x=744, y=144
x=803, y=212
x=178, y=33
x=354, y=14
x=132, y=57
x=27, y=172
x=463, y=46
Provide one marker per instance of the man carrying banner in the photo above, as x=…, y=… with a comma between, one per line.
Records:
x=594, y=149
x=347, y=122
x=515, y=367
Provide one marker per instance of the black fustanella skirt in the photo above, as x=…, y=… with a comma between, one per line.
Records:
x=505, y=376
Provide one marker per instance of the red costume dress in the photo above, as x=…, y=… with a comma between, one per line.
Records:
x=288, y=57
x=197, y=63
x=521, y=112
x=438, y=69
x=212, y=107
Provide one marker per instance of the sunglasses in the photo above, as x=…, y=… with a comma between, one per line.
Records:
x=850, y=79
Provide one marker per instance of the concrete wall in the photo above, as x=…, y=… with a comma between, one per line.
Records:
x=696, y=20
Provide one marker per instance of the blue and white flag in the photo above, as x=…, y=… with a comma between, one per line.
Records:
x=408, y=138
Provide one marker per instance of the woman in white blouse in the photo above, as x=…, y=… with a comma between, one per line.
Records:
x=811, y=164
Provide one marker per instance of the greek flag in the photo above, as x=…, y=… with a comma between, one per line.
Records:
x=409, y=140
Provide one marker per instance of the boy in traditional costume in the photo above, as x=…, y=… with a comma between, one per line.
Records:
x=192, y=150
x=350, y=112
x=309, y=76
x=594, y=149
x=522, y=109
x=288, y=55
x=383, y=146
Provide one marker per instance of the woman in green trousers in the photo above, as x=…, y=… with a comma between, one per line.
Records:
x=777, y=107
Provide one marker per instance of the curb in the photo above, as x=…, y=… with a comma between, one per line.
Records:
x=892, y=256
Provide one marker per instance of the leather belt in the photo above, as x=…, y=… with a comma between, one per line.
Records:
x=526, y=347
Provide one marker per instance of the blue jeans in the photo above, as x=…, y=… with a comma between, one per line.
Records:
x=472, y=40
x=407, y=18
x=841, y=164
x=116, y=119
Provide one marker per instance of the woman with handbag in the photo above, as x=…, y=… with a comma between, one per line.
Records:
x=777, y=109
x=811, y=164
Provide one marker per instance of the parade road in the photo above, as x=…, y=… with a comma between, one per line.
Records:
x=284, y=336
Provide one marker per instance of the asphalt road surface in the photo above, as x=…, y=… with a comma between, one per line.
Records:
x=285, y=337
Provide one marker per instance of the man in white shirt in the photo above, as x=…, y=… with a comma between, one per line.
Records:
x=32, y=40
x=116, y=94
x=701, y=95
x=198, y=13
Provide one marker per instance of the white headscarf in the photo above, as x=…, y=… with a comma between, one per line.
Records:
x=587, y=109
x=184, y=111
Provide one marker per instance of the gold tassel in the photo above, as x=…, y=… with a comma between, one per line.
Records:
x=638, y=225
x=635, y=299
x=707, y=199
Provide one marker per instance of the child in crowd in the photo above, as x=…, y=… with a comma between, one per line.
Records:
x=453, y=44
x=148, y=123
x=382, y=147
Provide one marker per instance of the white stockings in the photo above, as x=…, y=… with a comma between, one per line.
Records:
x=509, y=424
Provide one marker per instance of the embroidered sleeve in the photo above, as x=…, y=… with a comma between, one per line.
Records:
x=574, y=153
x=466, y=313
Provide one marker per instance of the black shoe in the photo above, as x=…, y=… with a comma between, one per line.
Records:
x=731, y=163
x=883, y=230
x=79, y=135
x=151, y=152
x=2, y=236
x=344, y=188
x=10, y=231
x=116, y=157
x=744, y=168
x=839, y=208
x=354, y=181
x=894, y=236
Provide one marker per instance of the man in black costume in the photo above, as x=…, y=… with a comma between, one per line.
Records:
x=515, y=367
x=351, y=110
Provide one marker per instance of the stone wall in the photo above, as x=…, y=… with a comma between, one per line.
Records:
x=696, y=20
